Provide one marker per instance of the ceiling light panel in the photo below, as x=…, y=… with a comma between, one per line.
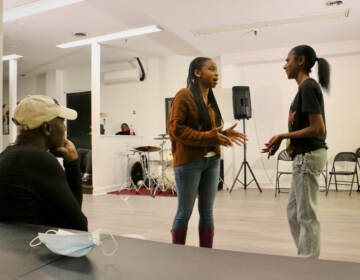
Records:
x=11, y=56
x=113, y=36
x=257, y=25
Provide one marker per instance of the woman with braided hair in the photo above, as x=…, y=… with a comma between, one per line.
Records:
x=196, y=132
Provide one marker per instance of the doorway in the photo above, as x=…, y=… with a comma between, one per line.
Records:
x=79, y=130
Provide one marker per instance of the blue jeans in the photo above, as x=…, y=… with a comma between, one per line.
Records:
x=200, y=177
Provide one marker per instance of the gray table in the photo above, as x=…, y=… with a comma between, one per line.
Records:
x=141, y=259
x=16, y=256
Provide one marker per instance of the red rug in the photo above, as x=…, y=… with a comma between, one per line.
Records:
x=143, y=191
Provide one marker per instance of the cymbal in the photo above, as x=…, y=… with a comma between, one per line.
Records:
x=147, y=149
x=162, y=138
x=163, y=134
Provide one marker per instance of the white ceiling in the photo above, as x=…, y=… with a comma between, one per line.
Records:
x=35, y=37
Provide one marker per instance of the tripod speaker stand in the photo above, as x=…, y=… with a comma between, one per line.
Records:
x=245, y=165
x=242, y=110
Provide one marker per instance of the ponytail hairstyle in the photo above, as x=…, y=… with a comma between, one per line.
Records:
x=310, y=59
x=193, y=85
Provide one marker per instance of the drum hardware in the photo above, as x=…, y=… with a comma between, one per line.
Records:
x=224, y=184
x=163, y=182
x=148, y=181
x=129, y=184
x=151, y=174
x=162, y=138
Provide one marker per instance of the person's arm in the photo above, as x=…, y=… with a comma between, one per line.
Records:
x=48, y=180
x=73, y=176
x=187, y=135
x=315, y=129
x=72, y=167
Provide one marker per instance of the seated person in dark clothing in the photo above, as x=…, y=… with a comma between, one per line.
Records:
x=125, y=130
x=34, y=187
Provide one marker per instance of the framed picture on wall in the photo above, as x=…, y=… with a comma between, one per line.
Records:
x=168, y=102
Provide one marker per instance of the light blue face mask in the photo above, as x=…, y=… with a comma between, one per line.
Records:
x=71, y=244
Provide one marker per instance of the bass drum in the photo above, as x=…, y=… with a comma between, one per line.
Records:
x=137, y=173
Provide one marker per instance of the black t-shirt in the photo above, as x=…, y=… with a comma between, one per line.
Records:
x=309, y=99
x=126, y=132
x=35, y=189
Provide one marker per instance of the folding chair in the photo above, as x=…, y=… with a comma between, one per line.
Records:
x=358, y=162
x=325, y=175
x=282, y=156
x=358, y=156
x=344, y=157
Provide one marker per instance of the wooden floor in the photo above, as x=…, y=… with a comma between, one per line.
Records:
x=244, y=221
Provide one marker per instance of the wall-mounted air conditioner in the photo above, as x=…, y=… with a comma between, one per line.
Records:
x=136, y=74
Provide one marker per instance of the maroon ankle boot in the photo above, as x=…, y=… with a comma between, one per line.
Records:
x=206, y=236
x=178, y=236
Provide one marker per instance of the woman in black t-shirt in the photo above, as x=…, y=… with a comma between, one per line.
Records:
x=306, y=145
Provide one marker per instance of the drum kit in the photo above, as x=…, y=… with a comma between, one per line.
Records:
x=154, y=175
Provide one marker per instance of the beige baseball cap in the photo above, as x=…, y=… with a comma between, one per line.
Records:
x=34, y=110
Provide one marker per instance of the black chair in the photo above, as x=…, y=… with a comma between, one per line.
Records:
x=358, y=162
x=358, y=156
x=344, y=157
x=325, y=175
x=284, y=156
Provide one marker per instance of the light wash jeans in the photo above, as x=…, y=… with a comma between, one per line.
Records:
x=302, y=206
x=200, y=177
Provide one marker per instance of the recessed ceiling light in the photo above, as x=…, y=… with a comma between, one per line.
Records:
x=80, y=34
x=113, y=36
x=334, y=3
x=35, y=8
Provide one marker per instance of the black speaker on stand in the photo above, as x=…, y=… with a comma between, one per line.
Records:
x=242, y=110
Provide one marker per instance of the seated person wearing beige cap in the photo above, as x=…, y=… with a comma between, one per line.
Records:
x=34, y=188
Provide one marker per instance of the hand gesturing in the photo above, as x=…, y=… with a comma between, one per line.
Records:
x=235, y=136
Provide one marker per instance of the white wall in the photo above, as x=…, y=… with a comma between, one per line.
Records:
x=27, y=86
x=77, y=80
x=55, y=85
x=136, y=103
